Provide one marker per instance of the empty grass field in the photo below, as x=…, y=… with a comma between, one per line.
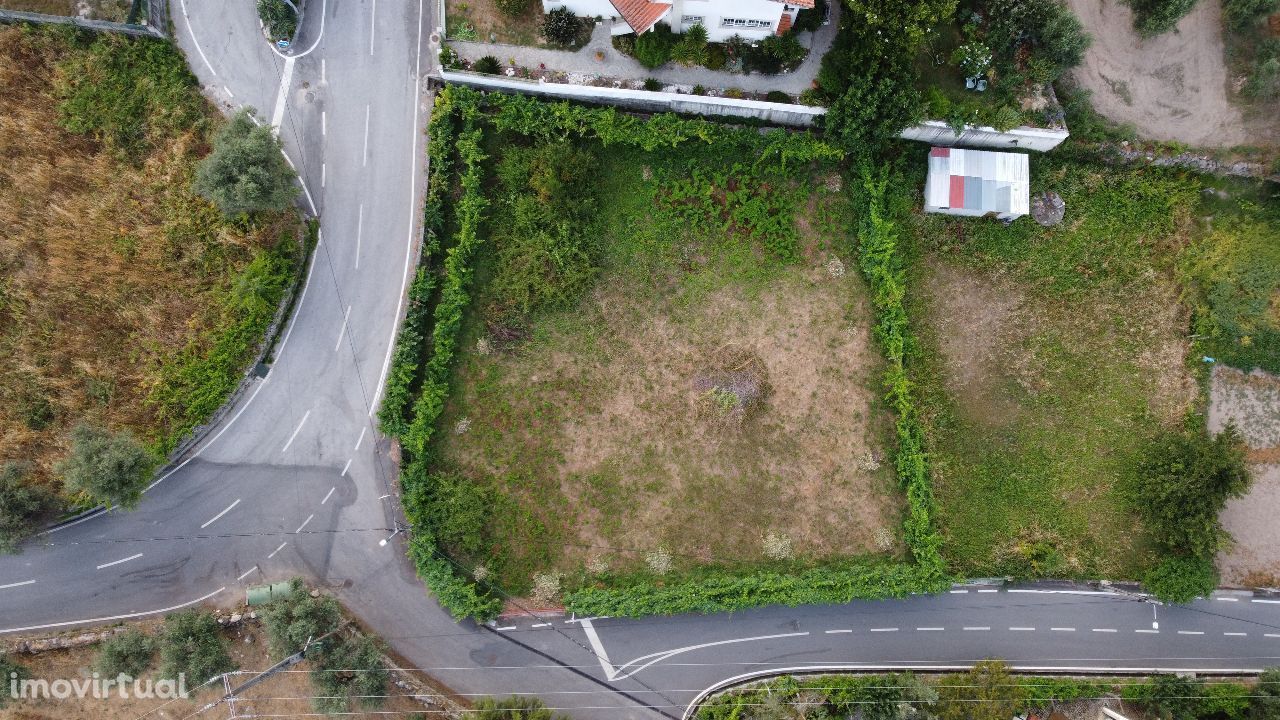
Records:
x=606, y=432
x=1053, y=355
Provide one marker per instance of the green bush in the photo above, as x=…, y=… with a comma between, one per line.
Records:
x=654, y=48
x=778, y=96
x=21, y=503
x=191, y=645
x=1168, y=697
x=987, y=692
x=1266, y=700
x=775, y=54
x=652, y=85
x=514, y=708
x=488, y=65
x=297, y=617
x=133, y=94
x=347, y=670
x=110, y=468
x=1046, y=27
x=1264, y=80
x=1181, y=579
x=280, y=19
x=560, y=26
x=1240, y=14
x=512, y=8
x=129, y=653
x=246, y=172
x=1183, y=481
x=717, y=58
x=810, y=19
x=10, y=670
x=692, y=47
x=1155, y=17
x=872, y=112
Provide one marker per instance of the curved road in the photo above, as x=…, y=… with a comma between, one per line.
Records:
x=295, y=480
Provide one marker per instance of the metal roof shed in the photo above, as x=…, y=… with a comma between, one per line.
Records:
x=978, y=182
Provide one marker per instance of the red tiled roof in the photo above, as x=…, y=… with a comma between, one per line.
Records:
x=798, y=3
x=641, y=15
x=784, y=24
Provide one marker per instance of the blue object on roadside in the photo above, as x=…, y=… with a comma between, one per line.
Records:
x=282, y=44
x=1209, y=359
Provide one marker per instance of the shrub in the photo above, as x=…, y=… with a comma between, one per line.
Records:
x=717, y=58
x=488, y=65
x=872, y=112
x=1181, y=579
x=1183, y=481
x=1266, y=700
x=246, y=172
x=10, y=670
x=129, y=653
x=692, y=47
x=1046, y=27
x=1242, y=13
x=348, y=669
x=280, y=19
x=699, y=90
x=654, y=47
x=987, y=692
x=514, y=708
x=191, y=645
x=810, y=19
x=1264, y=81
x=1154, y=17
x=450, y=59
x=778, y=96
x=20, y=504
x=110, y=468
x=1168, y=697
x=512, y=8
x=297, y=617
x=560, y=26
x=775, y=54
x=652, y=85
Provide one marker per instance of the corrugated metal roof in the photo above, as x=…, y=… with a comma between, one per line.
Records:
x=978, y=180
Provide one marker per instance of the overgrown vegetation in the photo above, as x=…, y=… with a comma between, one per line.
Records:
x=990, y=691
x=191, y=645
x=1156, y=17
x=109, y=468
x=246, y=172
x=661, y=45
x=128, y=653
x=21, y=503
x=107, y=131
x=517, y=707
x=279, y=18
x=12, y=670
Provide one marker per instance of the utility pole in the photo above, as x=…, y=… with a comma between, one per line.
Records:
x=294, y=659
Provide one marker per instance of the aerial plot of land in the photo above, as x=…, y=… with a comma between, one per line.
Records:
x=701, y=377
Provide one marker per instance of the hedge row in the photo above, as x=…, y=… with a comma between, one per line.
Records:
x=881, y=264
x=456, y=592
x=727, y=591
x=410, y=343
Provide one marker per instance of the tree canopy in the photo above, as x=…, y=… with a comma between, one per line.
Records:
x=246, y=172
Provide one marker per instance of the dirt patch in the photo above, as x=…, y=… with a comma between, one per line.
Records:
x=1252, y=402
x=620, y=391
x=489, y=24
x=1171, y=87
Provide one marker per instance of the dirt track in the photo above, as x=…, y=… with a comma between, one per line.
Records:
x=1170, y=87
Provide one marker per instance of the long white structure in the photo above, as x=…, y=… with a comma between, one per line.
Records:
x=750, y=19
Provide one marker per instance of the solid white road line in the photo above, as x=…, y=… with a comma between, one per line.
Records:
x=1190, y=632
x=413, y=214
x=194, y=41
x=1104, y=630
x=118, y=562
x=345, y=468
x=273, y=552
x=365, y=156
x=247, y=573
x=324, y=122
x=837, y=632
x=598, y=649
x=329, y=495
x=359, y=234
x=373, y=24
x=978, y=628
x=295, y=432
x=297, y=310
x=219, y=515
x=322, y=69
x=286, y=78
x=884, y=629
x=929, y=629
x=1272, y=635
x=1022, y=629
x=17, y=584
x=959, y=592
x=343, y=330
x=1063, y=592
x=324, y=172
x=1149, y=632
x=1236, y=634
x=361, y=439
x=98, y=621
x=304, y=523
x=1063, y=629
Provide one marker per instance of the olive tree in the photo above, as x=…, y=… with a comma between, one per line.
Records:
x=246, y=172
x=109, y=467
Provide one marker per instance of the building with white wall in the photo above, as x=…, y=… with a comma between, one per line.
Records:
x=751, y=19
x=978, y=182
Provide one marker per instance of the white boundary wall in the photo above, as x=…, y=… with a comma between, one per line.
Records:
x=930, y=131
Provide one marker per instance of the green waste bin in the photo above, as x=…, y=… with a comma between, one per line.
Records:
x=263, y=594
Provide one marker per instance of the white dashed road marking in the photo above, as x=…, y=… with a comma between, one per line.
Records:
x=219, y=515
x=17, y=584
x=1190, y=632
x=273, y=552
x=249, y=572
x=1110, y=630
x=1063, y=629
x=884, y=629
x=978, y=628
x=294, y=436
x=330, y=493
x=118, y=562
x=1022, y=629
x=833, y=632
x=304, y=523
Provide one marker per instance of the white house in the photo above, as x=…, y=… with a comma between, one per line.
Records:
x=978, y=182
x=752, y=19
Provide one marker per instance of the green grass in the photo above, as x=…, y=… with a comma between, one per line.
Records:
x=1083, y=363
x=586, y=435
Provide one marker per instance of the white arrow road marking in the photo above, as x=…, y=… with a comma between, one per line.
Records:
x=224, y=512
x=118, y=562
x=646, y=661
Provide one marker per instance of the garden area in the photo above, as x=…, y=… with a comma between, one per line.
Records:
x=515, y=22
x=137, y=279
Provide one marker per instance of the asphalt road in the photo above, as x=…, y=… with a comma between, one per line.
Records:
x=295, y=480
